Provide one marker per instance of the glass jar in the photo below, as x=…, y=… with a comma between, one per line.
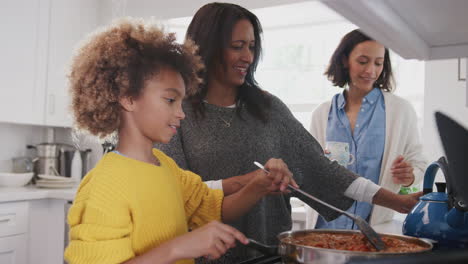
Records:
x=22, y=164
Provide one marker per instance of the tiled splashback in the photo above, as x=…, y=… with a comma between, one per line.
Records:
x=15, y=137
x=13, y=141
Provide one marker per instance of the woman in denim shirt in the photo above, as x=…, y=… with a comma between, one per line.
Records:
x=378, y=128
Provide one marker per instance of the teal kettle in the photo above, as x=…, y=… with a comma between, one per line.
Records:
x=443, y=215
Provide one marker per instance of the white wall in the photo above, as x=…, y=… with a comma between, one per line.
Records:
x=13, y=141
x=15, y=137
x=443, y=92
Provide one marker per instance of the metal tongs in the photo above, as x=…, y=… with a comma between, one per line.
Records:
x=365, y=228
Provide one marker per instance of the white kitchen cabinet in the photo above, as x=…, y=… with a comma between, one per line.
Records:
x=23, y=55
x=32, y=231
x=38, y=38
x=13, y=250
x=46, y=239
x=14, y=220
x=70, y=22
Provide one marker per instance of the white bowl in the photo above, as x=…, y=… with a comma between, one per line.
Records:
x=10, y=179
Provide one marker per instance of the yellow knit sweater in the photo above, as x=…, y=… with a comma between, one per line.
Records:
x=125, y=207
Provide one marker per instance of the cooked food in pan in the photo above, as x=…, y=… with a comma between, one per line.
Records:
x=352, y=242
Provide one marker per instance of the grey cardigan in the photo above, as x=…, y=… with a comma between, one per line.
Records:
x=212, y=150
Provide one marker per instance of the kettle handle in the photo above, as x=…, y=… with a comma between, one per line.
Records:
x=431, y=171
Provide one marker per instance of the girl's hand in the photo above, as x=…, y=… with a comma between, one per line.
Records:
x=211, y=240
x=277, y=178
x=402, y=172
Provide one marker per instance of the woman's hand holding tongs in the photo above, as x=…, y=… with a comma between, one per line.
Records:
x=276, y=176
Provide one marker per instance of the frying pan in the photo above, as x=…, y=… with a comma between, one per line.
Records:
x=295, y=253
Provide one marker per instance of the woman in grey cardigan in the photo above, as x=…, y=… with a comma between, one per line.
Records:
x=231, y=122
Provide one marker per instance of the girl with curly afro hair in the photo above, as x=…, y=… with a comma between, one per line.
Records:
x=137, y=205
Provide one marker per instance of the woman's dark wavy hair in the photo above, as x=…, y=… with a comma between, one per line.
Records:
x=211, y=29
x=338, y=74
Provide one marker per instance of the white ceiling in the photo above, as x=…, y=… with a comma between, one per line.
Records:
x=303, y=13
x=416, y=29
x=438, y=22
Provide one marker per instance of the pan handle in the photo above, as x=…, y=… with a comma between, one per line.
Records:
x=264, y=249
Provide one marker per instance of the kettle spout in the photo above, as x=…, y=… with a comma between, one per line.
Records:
x=456, y=218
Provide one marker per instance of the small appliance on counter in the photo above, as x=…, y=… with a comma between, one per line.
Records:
x=107, y=147
x=443, y=215
x=66, y=158
x=46, y=161
x=56, y=159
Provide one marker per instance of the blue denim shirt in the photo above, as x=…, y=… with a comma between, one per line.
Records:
x=366, y=144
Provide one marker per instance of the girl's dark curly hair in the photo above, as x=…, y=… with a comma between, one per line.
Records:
x=338, y=74
x=116, y=62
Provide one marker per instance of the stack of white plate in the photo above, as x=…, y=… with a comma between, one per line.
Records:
x=52, y=181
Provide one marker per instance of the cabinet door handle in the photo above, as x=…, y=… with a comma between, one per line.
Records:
x=461, y=74
x=5, y=218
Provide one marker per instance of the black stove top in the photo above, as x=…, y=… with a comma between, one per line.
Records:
x=263, y=260
x=458, y=256
x=454, y=256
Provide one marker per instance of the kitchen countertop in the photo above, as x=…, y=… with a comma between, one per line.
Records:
x=31, y=192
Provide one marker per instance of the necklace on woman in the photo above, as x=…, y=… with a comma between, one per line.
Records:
x=228, y=123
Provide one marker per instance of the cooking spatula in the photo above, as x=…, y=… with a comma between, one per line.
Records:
x=365, y=228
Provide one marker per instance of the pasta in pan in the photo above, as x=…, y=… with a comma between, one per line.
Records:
x=352, y=242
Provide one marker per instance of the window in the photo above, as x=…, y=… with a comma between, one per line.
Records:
x=298, y=41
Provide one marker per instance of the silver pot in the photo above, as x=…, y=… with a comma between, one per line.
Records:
x=47, y=160
x=46, y=150
x=293, y=253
